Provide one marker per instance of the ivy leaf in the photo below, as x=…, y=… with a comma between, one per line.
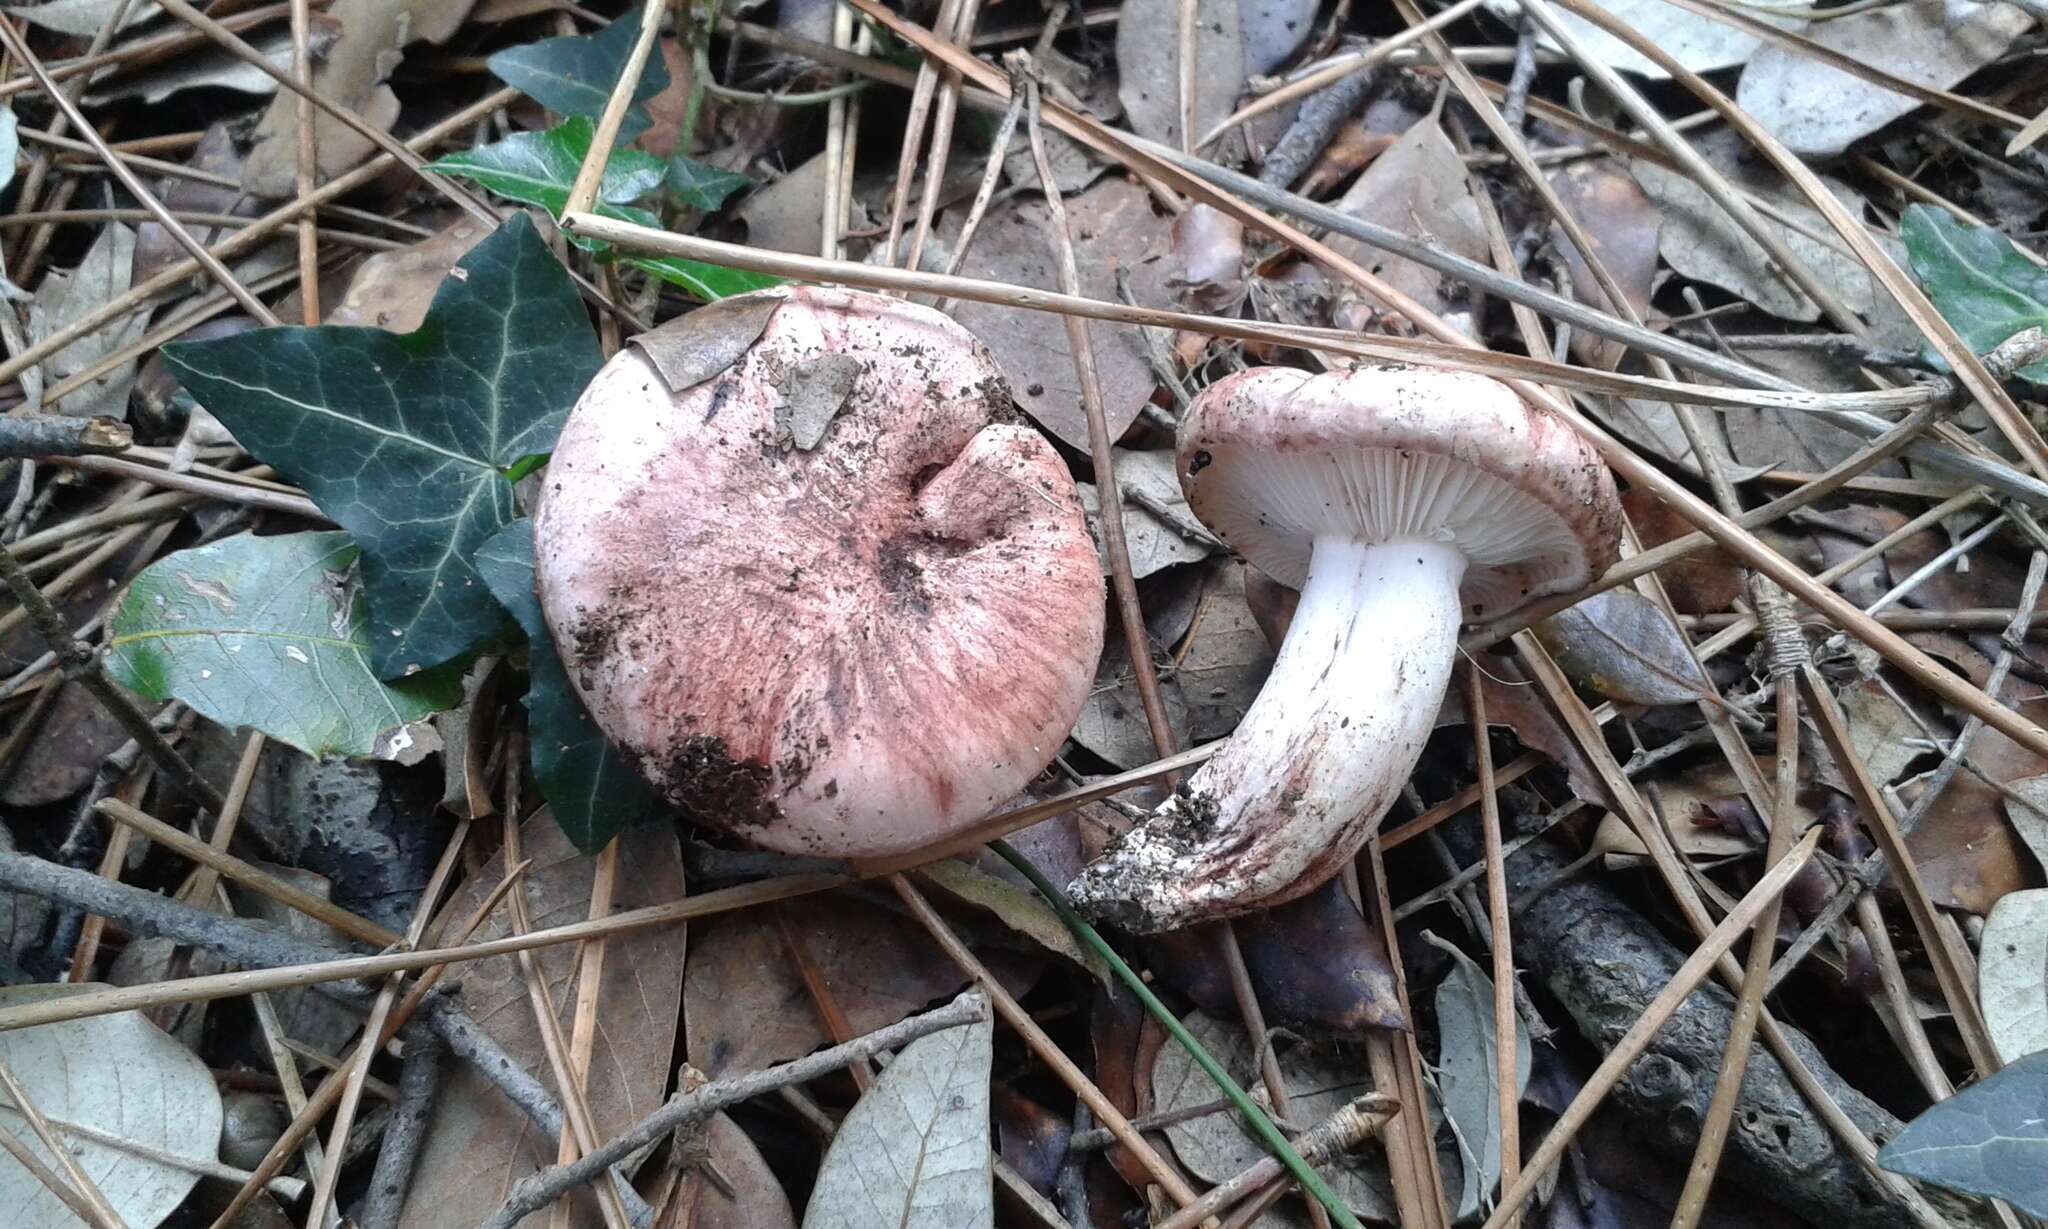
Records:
x=593, y=789
x=701, y=186
x=1976, y=279
x=574, y=75
x=267, y=633
x=539, y=168
x=1989, y=1139
x=406, y=440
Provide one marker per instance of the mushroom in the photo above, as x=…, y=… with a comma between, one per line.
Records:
x=807, y=580
x=1400, y=501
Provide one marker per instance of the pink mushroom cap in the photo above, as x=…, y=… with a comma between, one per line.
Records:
x=806, y=579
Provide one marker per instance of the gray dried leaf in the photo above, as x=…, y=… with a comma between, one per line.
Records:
x=1818, y=110
x=1112, y=722
x=1114, y=229
x=1620, y=644
x=2012, y=974
x=1703, y=243
x=1418, y=187
x=1074, y=165
x=82, y=18
x=693, y=348
x=1215, y=1146
x=1148, y=69
x=1225, y=660
x=1468, y=1073
x=117, y=1074
x=813, y=394
x=914, y=1151
x=1272, y=31
x=1699, y=43
x=1159, y=531
x=104, y=274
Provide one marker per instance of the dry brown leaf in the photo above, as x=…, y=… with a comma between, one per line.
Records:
x=392, y=290
x=1418, y=187
x=746, y=1007
x=477, y=1144
x=1818, y=110
x=65, y=752
x=1622, y=225
x=746, y=1194
x=1704, y=582
x=1226, y=658
x=1114, y=227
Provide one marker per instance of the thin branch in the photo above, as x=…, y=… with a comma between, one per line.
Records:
x=45, y=435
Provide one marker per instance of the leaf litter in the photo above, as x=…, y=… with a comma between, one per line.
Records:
x=431, y=543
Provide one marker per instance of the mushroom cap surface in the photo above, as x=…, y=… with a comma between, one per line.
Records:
x=807, y=583
x=1274, y=457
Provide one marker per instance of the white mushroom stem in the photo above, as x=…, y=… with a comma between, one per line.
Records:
x=1318, y=758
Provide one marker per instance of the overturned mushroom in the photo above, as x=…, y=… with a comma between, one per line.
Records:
x=1401, y=502
x=805, y=580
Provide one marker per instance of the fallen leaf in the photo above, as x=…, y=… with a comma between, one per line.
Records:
x=1215, y=1147
x=1159, y=531
x=1074, y=165
x=1696, y=42
x=1225, y=659
x=62, y=758
x=1976, y=279
x=217, y=154
x=1622, y=224
x=1148, y=69
x=117, y=1074
x=1690, y=796
x=218, y=68
x=1706, y=581
x=2012, y=974
x=477, y=1144
x=1818, y=110
x=418, y=433
x=2030, y=817
x=1114, y=228
x=1969, y=855
x=268, y=633
x=103, y=275
x=393, y=290
x=746, y=1007
x=83, y=18
x=1019, y=908
x=22, y=918
x=372, y=43
x=309, y=1017
x=784, y=216
x=1882, y=733
x=1620, y=644
x=1468, y=1066
x=1989, y=1139
x=1419, y=188
x=1273, y=30
x=1703, y=243
x=914, y=1151
x=745, y=1193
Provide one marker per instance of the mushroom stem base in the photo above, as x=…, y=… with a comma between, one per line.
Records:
x=1319, y=757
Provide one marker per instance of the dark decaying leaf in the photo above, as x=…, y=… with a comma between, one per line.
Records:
x=914, y=1151
x=593, y=790
x=1977, y=280
x=405, y=441
x=746, y=1007
x=478, y=1143
x=1989, y=1139
x=267, y=633
x=574, y=74
x=1621, y=645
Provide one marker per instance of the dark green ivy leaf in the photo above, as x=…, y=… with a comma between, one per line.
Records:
x=574, y=75
x=405, y=440
x=1976, y=279
x=539, y=168
x=593, y=789
x=1989, y=1139
x=701, y=186
x=267, y=633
